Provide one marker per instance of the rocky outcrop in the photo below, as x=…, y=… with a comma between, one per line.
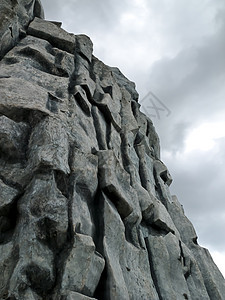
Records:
x=15, y=16
x=85, y=207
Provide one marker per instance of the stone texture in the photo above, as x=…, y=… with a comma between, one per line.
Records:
x=7, y=196
x=13, y=137
x=47, y=146
x=87, y=264
x=85, y=206
x=78, y=296
x=14, y=18
x=84, y=46
x=84, y=180
x=53, y=34
x=126, y=265
x=16, y=100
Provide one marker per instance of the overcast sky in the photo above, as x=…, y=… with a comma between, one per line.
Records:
x=174, y=49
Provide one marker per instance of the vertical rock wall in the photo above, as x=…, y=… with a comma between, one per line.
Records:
x=85, y=207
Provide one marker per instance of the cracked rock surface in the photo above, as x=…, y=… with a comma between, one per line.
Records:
x=85, y=207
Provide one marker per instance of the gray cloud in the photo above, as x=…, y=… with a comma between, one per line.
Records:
x=199, y=184
x=191, y=84
x=85, y=14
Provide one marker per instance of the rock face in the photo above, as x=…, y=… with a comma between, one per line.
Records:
x=85, y=207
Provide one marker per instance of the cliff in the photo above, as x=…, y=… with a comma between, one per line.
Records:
x=85, y=206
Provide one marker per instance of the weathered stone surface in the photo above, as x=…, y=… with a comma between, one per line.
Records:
x=46, y=70
x=124, y=82
x=77, y=296
x=53, y=34
x=126, y=265
x=115, y=182
x=105, y=103
x=129, y=122
x=14, y=173
x=87, y=83
x=13, y=137
x=85, y=206
x=162, y=172
x=169, y=279
x=31, y=295
x=8, y=260
x=82, y=100
x=48, y=146
x=159, y=217
x=192, y=274
x=40, y=232
x=14, y=18
x=49, y=206
x=84, y=180
x=101, y=128
x=108, y=95
x=87, y=264
x=7, y=195
x=146, y=161
x=184, y=226
x=213, y=279
x=84, y=46
x=19, y=97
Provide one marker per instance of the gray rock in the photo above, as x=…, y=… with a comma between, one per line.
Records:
x=129, y=122
x=14, y=18
x=83, y=267
x=31, y=295
x=213, y=279
x=84, y=46
x=82, y=134
x=146, y=161
x=101, y=128
x=13, y=138
x=77, y=296
x=7, y=196
x=8, y=261
x=85, y=206
x=124, y=82
x=184, y=226
x=116, y=183
x=85, y=184
x=126, y=265
x=159, y=217
x=48, y=146
x=169, y=284
x=193, y=274
x=82, y=100
x=49, y=207
x=55, y=35
x=162, y=180
x=162, y=172
x=44, y=209
x=87, y=83
x=114, y=140
x=113, y=252
x=105, y=103
x=108, y=95
x=153, y=139
x=38, y=9
x=16, y=101
x=14, y=172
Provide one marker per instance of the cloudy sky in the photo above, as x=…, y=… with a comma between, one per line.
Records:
x=174, y=51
